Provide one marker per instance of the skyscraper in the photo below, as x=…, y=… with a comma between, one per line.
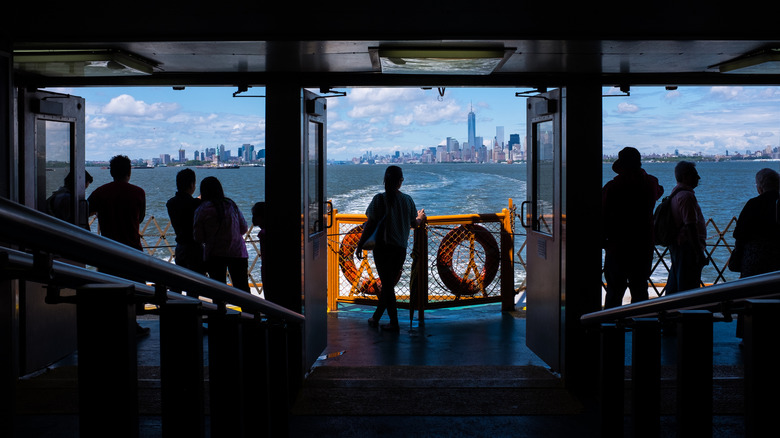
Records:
x=472, y=129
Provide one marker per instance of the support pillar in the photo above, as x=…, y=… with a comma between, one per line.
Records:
x=181, y=369
x=762, y=381
x=646, y=377
x=694, y=373
x=107, y=360
x=226, y=382
x=279, y=378
x=257, y=403
x=611, y=394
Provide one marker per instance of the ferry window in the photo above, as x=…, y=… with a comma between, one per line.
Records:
x=316, y=191
x=53, y=156
x=545, y=177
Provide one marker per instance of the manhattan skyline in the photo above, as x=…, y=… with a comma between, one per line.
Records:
x=148, y=122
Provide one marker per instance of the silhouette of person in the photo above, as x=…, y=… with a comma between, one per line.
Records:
x=258, y=220
x=757, y=233
x=400, y=216
x=119, y=205
x=688, y=251
x=627, y=210
x=181, y=211
x=60, y=202
x=120, y=208
x=219, y=225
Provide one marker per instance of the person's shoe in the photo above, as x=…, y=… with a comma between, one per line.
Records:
x=372, y=322
x=391, y=327
x=141, y=331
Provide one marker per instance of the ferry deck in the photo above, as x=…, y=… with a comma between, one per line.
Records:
x=452, y=376
x=556, y=56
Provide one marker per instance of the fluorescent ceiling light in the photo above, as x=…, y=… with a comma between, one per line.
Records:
x=82, y=63
x=468, y=61
x=764, y=61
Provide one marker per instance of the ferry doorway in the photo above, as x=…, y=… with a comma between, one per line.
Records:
x=51, y=158
x=562, y=220
x=541, y=214
x=315, y=251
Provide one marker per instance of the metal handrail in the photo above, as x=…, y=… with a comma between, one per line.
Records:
x=73, y=276
x=33, y=229
x=758, y=286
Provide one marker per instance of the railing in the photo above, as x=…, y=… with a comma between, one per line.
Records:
x=159, y=240
x=260, y=337
x=692, y=314
x=456, y=260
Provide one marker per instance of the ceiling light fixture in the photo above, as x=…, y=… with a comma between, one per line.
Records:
x=763, y=61
x=439, y=61
x=63, y=63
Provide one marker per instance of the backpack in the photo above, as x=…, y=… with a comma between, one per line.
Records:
x=664, y=228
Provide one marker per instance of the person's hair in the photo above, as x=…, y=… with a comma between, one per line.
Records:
x=393, y=176
x=258, y=214
x=69, y=179
x=682, y=169
x=185, y=179
x=211, y=190
x=120, y=166
x=767, y=179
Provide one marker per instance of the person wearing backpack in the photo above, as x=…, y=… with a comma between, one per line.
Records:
x=687, y=251
x=627, y=211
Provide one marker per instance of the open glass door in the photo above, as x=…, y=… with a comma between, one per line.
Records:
x=52, y=160
x=542, y=219
x=314, y=226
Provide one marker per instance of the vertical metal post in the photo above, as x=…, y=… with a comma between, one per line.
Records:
x=181, y=369
x=613, y=350
x=226, y=383
x=257, y=402
x=646, y=377
x=694, y=373
x=107, y=356
x=762, y=381
x=279, y=377
x=507, y=262
x=333, y=262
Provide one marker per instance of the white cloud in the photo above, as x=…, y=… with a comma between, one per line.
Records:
x=126, y=105
x=625, y=107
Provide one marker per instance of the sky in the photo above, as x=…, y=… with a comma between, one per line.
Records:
x=148, y=122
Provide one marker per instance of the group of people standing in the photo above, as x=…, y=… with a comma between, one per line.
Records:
x=628, y=202
x=209, y=229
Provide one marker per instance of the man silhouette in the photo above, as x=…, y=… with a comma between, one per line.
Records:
x=627, y=211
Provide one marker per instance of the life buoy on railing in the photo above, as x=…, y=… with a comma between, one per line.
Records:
x=461, y=285
x=364, y=286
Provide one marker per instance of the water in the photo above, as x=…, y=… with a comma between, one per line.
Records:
x=443, y=189
x=446, y=189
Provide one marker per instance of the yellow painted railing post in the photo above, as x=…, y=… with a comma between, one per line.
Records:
x=507, y=260
x=333, y=262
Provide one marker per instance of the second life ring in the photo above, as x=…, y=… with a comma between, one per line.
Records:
x=463, y=284
x=360, y=285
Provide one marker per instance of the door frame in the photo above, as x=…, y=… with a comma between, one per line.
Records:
x=543, y=223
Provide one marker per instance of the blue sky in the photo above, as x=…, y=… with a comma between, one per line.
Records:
x=147, y=122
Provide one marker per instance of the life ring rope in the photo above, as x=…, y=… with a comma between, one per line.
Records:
x=472, y=280
x=359, y=284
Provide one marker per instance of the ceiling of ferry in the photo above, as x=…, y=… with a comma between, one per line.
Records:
x=350, y=61
x=331, y=43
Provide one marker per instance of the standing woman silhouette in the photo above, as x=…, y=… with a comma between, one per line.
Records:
x=220, y=227
x=400, y=216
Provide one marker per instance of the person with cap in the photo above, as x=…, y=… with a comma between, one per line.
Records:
x=627, y=203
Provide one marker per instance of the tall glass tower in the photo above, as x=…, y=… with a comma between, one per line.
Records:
x=472, y=129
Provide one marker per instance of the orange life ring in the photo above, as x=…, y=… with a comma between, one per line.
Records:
x=459, y=285
x=365, y=286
